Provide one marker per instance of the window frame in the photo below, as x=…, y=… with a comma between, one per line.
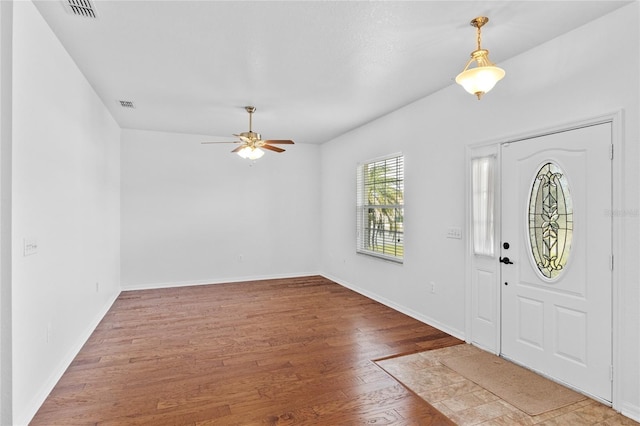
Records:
x=363, y=206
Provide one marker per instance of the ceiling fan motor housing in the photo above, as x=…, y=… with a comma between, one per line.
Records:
x=251, y=135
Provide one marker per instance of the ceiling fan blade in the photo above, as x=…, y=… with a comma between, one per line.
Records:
x=278, y=141
x=272, y=148
x=238, y=148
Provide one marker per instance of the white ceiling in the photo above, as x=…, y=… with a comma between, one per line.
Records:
x=313, y=69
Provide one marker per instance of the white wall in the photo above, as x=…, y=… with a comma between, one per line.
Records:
x=588, y=72
x=66, y=197
x=191, y=211
x=6, y=101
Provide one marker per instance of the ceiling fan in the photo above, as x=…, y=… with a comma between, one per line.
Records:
x=251, y=143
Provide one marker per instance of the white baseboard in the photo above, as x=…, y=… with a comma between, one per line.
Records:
x=36, y=402
x=629, y=410
x=410, y=312
x=171, y=284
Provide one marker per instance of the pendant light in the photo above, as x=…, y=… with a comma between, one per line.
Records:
x=485, y=75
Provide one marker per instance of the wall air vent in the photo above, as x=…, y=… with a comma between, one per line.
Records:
x=80, y=8
x=126, y=104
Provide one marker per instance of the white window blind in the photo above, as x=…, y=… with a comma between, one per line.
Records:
x=380, y=208
x=483, y=193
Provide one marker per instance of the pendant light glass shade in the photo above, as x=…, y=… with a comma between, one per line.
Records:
x=480, y=80
x=485, y=75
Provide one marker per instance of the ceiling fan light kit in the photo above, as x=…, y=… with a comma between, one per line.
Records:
x=485, y=75
x=251, y=153
x=252, y=145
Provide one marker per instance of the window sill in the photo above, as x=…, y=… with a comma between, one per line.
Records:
x=381, y=256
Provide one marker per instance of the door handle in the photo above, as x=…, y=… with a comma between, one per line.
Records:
x=506, y=261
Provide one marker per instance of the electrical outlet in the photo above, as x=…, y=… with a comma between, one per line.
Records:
x=240, y=258
x=433, y=287
x=454, y=232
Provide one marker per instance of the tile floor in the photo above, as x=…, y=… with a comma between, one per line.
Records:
x=466, y=403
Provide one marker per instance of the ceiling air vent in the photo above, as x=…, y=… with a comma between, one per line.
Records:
x=126, y=104
x=80, y=8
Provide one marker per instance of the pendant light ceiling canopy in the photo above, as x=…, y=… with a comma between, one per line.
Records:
x=485, y=75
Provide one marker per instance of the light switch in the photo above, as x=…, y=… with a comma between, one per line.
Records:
x=455, y=233
x=30, y=246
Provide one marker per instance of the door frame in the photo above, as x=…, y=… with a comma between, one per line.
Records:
x=493, y=147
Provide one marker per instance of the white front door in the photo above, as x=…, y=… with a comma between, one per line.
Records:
x=556, y=233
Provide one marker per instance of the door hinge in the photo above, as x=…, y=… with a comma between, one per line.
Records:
x=611, y=373
x=611, y=262
x=611, y=151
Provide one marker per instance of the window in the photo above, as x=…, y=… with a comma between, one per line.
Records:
x=482, y=177
x=550, y=220
x=380, y=208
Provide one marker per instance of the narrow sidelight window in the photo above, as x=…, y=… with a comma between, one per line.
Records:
x=483, y=193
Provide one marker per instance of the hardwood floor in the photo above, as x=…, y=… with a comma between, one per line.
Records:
x=290, y=351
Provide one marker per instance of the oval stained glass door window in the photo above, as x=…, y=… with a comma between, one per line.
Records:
x=550, y=220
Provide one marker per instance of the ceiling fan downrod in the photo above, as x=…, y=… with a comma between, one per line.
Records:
x=250, y=109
